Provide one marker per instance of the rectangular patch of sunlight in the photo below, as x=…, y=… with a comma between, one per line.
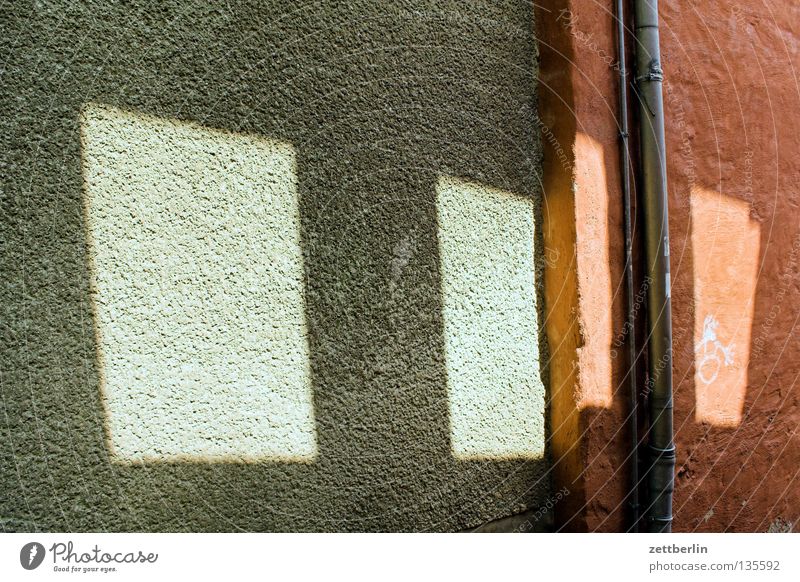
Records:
x=197, y=281
x=496, y=396
x=725, y=248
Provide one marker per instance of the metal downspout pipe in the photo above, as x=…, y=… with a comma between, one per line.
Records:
x=661, y=447
x=625, y=170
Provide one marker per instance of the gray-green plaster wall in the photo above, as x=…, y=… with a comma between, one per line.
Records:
x=378, y=100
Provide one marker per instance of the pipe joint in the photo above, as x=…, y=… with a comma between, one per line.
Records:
x=654, y=73
x=667, y=454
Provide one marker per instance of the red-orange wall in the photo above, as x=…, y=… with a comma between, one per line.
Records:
x=732, y=98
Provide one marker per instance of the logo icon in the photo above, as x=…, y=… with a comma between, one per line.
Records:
x=31, y=555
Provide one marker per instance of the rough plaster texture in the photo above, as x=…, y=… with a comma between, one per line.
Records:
x=582, y=230
x=377, y=101
x=733, y=137
x=198, y=291
x=733, y=163
x=725, y=247
x=495, y=391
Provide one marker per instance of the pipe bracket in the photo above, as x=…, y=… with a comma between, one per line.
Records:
x=654, y=73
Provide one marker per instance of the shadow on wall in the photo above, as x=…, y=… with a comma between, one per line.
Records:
x=735, y=256
x=727, y=347
x=373, y=126
x=198, y=299
x=582, y=231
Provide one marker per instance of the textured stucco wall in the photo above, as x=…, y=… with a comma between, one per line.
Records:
x=582, y=229
x=730, y=91
x=377, y=103
x=486, y=244
x=733, y=146
x=197, y=291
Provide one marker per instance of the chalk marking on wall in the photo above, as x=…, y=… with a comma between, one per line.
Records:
x=197, y=281
x=725, y=243
x=713, y=353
